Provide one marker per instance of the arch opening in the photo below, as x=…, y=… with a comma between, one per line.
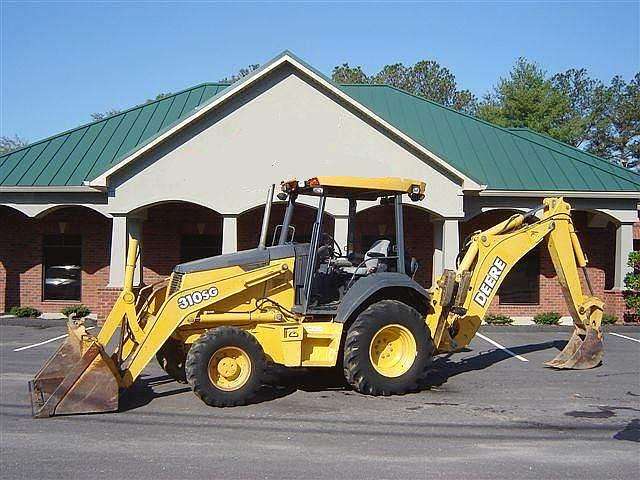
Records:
x=378, y=223
x=174, y=233
x=59, y=256
x=250, y=223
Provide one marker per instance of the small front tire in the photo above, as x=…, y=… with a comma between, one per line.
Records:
x=226, y=367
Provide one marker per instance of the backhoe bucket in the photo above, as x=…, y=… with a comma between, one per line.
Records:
x=584, y=350
x=78, y=378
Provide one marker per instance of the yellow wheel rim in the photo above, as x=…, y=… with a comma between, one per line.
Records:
x=393, y=350
x=229, y=368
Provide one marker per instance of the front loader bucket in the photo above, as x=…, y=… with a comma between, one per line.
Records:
x=78, y=378
x=584, y=350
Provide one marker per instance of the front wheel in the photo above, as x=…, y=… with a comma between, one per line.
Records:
x=226, y=367
x=388, y=349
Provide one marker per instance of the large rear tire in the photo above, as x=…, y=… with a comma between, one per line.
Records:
x=172, y=357
x=388, y=349
x=226, y=367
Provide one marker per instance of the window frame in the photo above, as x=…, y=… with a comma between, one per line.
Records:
x=521, y=264
x=44, y=265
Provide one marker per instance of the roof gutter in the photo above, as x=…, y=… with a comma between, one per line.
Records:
x=50, y=189
x=559, y=193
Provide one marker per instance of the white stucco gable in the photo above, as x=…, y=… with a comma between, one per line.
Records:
x=286, y=125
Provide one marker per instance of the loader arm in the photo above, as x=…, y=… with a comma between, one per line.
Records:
x=83, y=377
x=461, y=298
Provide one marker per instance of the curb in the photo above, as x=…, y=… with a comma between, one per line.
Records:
x=553, y=328
x=39, y=322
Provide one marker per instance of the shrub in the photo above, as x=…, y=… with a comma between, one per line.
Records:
x=79, y=311
x=632, y=282
x=25, y=312
x=547, y=318
x=609, y=319
x=498, y=319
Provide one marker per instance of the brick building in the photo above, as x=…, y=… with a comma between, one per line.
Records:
x=188, y=174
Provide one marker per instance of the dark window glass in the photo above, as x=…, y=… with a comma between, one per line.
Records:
x=195, y=247
x=522, y=284
x=62, y=267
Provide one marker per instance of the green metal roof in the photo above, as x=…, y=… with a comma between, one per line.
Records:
x=500, y=158
x=503, y=159
x=83, y=153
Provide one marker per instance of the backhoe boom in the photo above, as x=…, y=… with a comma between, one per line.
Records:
x=489, y=257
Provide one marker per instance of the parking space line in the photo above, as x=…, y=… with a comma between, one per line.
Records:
x=46, y=341
x=502, y=347
x=624, y=336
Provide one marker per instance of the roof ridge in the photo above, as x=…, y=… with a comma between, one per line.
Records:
x=595, y=157
x=507, y=130
x=123, y=112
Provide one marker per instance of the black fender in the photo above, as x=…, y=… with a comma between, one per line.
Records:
x=363, y=290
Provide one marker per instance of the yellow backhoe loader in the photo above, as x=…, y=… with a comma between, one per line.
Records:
x=218, y=322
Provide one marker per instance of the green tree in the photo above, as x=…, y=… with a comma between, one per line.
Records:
x=432, y=81
x=345, y=73
x=102, y=115
x=527, y=98
x=632, y=283
x=9, y=144
x=243, y=72
x=426, y=78
x=616, y=133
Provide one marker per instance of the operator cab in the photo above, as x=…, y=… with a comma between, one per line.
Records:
x=325, y=270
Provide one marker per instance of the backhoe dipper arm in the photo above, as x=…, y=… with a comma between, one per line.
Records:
x=492, y=253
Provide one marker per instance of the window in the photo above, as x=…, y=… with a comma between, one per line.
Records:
x=195, y=247
x=522, y=284
x=62, y=267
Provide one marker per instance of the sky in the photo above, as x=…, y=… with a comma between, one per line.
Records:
x=62, y=61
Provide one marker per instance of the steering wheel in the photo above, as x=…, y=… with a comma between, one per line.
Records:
x=329, y=247
x=334, y=244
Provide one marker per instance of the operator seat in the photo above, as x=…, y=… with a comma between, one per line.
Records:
x=373, y=259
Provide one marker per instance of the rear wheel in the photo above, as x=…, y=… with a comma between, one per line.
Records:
x=172, y=357
x=388, y=349
x=226, y=367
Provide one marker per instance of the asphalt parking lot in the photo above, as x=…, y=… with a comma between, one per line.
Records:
x=484, y=414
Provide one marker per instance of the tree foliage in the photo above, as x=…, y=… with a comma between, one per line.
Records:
x=632, y=284
x=426, y=78
x=9, y=144
x=571, y=107
x=616, y=132
x=527, y=98
x=243, y=72
x=102, y=115
x=345, y=73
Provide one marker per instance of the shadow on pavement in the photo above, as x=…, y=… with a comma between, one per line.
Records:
x=631, y=432
x=285, y=381
x=444, y=368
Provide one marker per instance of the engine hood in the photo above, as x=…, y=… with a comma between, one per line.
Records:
x=249, y=258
